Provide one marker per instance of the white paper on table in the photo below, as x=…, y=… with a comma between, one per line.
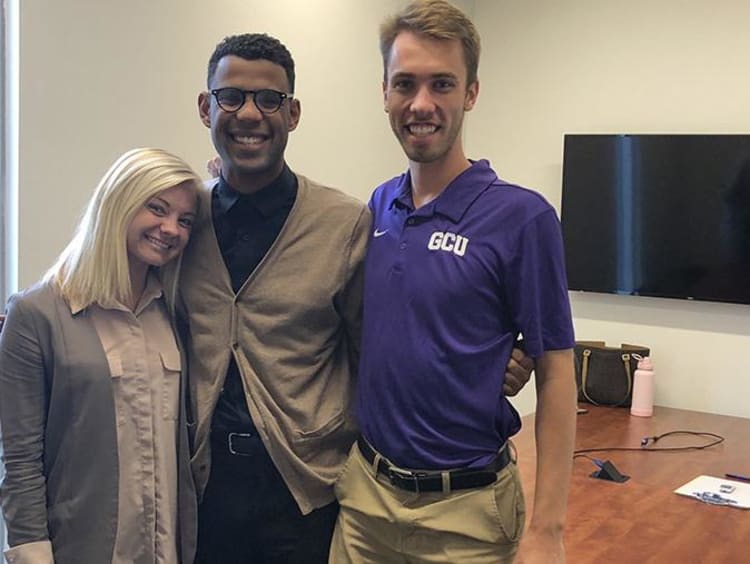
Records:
x=712, y=486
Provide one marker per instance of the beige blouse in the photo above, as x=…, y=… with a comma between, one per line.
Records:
x=144, y=364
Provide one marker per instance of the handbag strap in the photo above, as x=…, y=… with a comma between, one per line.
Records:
x=626, y=362
x=585, y=373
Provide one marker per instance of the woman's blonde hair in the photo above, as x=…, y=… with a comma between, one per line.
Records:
x=94, y=267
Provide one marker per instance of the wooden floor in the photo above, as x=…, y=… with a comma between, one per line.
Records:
x=642, y=520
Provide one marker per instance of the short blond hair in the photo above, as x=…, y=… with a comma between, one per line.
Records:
x=436, y=19
x=94, y=267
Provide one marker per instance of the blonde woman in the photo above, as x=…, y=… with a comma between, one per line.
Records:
x=91, y=404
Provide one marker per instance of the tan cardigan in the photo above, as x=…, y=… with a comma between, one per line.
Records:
x=294, y=330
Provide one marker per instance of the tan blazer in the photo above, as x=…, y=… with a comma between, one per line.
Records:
x=59, y=434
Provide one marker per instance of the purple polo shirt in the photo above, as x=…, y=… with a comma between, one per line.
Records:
x=448, y=288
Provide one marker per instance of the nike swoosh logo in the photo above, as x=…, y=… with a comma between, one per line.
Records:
x=379, y=233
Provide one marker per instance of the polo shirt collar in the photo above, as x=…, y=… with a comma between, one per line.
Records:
x=457, y=196
x=267, y=200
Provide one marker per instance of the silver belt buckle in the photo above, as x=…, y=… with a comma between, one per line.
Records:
x=231, y=445
x=395, y=474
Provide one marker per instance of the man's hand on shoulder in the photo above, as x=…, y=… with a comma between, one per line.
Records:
x=213, y=166
x=518, y=372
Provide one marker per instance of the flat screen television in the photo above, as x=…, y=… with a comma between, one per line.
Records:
x=658, y=215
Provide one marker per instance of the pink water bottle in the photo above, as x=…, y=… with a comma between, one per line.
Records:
x=643, y=389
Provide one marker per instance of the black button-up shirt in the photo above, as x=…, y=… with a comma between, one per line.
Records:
x=246, y=226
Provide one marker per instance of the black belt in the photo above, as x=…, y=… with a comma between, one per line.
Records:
x=434, y=481
x=240, y=444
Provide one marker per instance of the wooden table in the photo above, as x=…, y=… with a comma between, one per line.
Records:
x=642, y=520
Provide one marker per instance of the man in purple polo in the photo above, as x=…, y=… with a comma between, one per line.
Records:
x=459, y=264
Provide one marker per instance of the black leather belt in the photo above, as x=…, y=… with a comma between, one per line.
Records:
x=239, y=444
x=436, y=481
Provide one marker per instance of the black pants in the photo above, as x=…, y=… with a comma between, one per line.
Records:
x=248, y=515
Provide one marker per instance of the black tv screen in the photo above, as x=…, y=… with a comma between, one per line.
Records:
x=658, y=215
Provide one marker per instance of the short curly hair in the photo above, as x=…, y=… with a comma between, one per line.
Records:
x=253, y=47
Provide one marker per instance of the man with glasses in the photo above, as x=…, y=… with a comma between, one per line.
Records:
x=270, y=308
x=270, y=298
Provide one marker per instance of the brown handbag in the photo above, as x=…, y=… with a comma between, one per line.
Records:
x=605, y=374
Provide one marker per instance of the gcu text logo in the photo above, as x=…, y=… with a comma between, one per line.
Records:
x=447, y=241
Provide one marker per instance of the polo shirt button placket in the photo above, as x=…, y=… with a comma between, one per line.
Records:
x=410, y=221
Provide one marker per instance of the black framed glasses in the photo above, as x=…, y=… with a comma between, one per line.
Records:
x=267, y=101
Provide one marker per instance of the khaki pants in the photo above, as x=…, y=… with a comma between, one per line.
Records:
x=380, y=524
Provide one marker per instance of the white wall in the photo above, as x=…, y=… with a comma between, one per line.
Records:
x=551, y=67
x=100, y=77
